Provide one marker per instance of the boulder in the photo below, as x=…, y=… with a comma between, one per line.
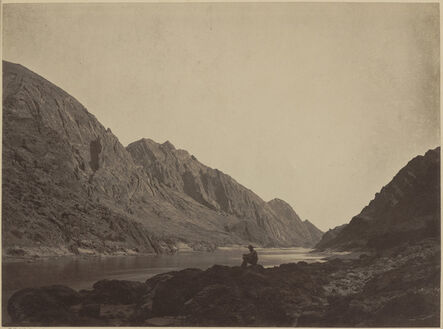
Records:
x=117, y=292
x=90, y=310
x=43, y=305
x=172, y=294
x=218, y=305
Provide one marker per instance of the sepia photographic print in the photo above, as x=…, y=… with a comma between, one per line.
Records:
x=221, y=164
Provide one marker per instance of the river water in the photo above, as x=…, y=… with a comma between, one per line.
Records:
x=83, y=272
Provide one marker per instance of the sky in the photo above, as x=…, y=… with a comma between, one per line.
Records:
x=318, y=104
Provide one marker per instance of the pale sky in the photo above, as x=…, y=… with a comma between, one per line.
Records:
x=319, y=104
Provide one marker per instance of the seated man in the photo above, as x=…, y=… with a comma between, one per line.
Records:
x=250, y=258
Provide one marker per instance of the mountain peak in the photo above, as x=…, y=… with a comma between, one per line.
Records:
x=282, y=206
x=168, y=145
x=279, y=201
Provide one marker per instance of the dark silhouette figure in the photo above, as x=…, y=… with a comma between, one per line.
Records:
x=250, y=258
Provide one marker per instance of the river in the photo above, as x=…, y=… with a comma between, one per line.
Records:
x=82, y=272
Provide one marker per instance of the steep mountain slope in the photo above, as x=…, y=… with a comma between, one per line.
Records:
x=62, y=171
x=316, y=234
x=69, y=186
x=182, y=172
x=305, y=230
x=405, y=210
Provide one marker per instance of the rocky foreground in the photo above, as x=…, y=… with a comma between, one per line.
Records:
x=400, y=287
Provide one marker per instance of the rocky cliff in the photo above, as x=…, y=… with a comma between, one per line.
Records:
x=70, y=186
x=67, y=181
x=407, y=209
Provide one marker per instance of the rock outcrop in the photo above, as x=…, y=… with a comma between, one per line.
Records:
x=407, y=209
x=70, y=186
x=43, y=305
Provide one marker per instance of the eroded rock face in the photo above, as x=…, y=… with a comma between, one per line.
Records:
x=272, y=223
x=66, y=178
x=70, y=187
x=407, y=209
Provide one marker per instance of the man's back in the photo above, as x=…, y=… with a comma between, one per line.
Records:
x=253, y=257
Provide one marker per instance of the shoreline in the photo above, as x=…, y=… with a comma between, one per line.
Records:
x=367, y=291
x=34, y=258
x=181, y=248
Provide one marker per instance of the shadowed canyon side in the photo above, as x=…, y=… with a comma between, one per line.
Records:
x=69, y=186
x=405, y=210
x=328, y=236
